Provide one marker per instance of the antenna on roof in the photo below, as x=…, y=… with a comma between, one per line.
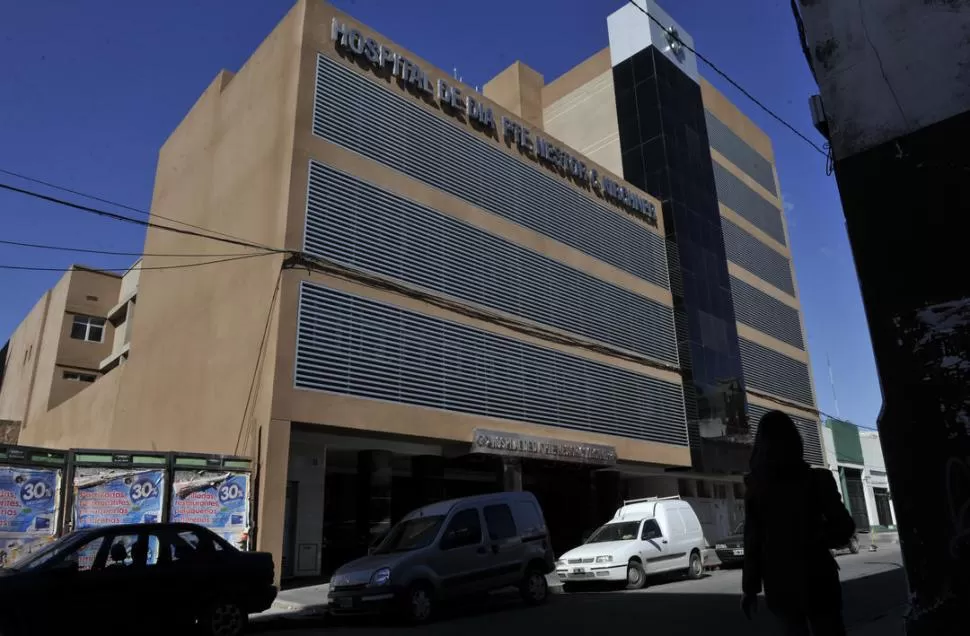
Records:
x=454, y=72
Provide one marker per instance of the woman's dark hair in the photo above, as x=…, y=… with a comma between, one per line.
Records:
x=777, y=445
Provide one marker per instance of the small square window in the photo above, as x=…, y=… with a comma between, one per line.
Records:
x=89, y=328
x=76, y=376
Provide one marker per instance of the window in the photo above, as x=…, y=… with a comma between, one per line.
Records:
x=623, y=531
x=651, y=530
x=499, y=521
x=465, y=529
x=76, y=376
x=188, y=546
x=88, y=328
x=528, y=517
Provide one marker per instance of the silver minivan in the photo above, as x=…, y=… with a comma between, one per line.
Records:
x=448, y=550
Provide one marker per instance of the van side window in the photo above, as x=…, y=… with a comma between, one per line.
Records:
x=499, y=521
x=527, y=517
x=464, y=529
x=650, y=530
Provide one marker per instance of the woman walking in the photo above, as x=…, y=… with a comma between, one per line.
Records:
x=793, y=517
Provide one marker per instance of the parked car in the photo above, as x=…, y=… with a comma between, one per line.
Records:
x=135, y=579
x=645, y=537
x=730, y=549
x=449, y=550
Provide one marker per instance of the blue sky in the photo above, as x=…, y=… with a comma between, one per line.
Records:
x=90, y=90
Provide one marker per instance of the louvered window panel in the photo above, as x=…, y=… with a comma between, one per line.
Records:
x=756, y=257
x=356, y=223
x=735, y=194
x=358, y=114
x=811, y=443
x=769, y=315
x=352, y=345
x=774, y=372
x=738, y=152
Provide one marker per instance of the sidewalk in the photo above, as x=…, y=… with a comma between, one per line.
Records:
x=889, y=624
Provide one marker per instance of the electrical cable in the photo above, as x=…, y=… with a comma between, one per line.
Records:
x=82, y=250
x=121, y=217
x=30, y=268
x=93, y=197
x=672, y=33
x=250, y=397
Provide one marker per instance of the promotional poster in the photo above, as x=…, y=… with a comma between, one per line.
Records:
x=216, y=500
x=109, y=496
x=28, y=510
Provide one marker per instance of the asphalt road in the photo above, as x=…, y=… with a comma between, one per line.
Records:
x=873, y=584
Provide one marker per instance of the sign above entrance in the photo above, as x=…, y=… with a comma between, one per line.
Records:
x=451, y=100
x=514, y=445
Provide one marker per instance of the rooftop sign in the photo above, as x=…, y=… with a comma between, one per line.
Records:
x=451, y=100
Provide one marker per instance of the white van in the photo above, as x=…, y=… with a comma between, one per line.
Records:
x=645, y=537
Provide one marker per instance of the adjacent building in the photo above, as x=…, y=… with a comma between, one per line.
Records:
x=855, y=457
x=581, y=288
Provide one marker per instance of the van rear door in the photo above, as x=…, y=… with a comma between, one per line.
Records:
x=505, y=544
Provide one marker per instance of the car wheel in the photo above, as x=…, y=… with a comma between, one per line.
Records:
x=534, y=588
x=854, y=545
x=695, y=569
x=636, y=578
x=224, y=618
x=419, y=604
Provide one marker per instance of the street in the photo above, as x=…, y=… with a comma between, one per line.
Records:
x=873, y=585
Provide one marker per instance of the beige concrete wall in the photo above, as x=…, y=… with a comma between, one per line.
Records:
x=586, y=119
x=49, y=350
x=519, y=90
x=189, y=381
x=21, y=364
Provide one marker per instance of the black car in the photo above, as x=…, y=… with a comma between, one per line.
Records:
x=730, y=549
x=136, y=579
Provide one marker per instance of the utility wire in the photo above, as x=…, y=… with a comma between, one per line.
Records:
x=251, y=396
x=30, y=268
x=82, y=250
x=717, y=70
x=121, y=217
x=93, y=197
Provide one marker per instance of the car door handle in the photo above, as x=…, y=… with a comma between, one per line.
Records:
x=663, y=541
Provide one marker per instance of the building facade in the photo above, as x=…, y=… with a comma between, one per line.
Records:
x=855, y=458
x=465, y=294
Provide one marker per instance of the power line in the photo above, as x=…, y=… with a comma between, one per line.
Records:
x=672, y=33
x=82, y=250
x=30, y=268
x=121, y=217
x=124, y=206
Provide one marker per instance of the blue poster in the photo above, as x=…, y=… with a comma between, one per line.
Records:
x=216, y=500
x=110, y=496
x=28, y=510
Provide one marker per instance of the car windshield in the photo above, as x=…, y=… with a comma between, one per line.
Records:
x=624, y=531
x=411, y=534
x=45, y=554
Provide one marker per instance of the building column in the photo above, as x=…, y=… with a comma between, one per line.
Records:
x=428, y=476
x=606, y=494
x=274, y=459
x=373, y=494
x=510, y=474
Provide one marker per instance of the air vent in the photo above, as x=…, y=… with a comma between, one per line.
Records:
x=352, y=345
x=354, y=222
x=756, y=257
x=360, y=115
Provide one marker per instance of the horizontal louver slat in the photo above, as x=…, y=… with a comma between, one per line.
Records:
x=362, y=116
x=736, y=195
x=812, y=445
x=738, y=152
x=756, y=257
x=347, y=344
x=768, y=315
x=354, y=222
x=774, y=372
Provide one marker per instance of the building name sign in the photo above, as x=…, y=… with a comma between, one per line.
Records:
x=514, y=445
x=451, y=100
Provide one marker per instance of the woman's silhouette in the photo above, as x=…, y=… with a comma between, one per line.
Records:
x=793, y=516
